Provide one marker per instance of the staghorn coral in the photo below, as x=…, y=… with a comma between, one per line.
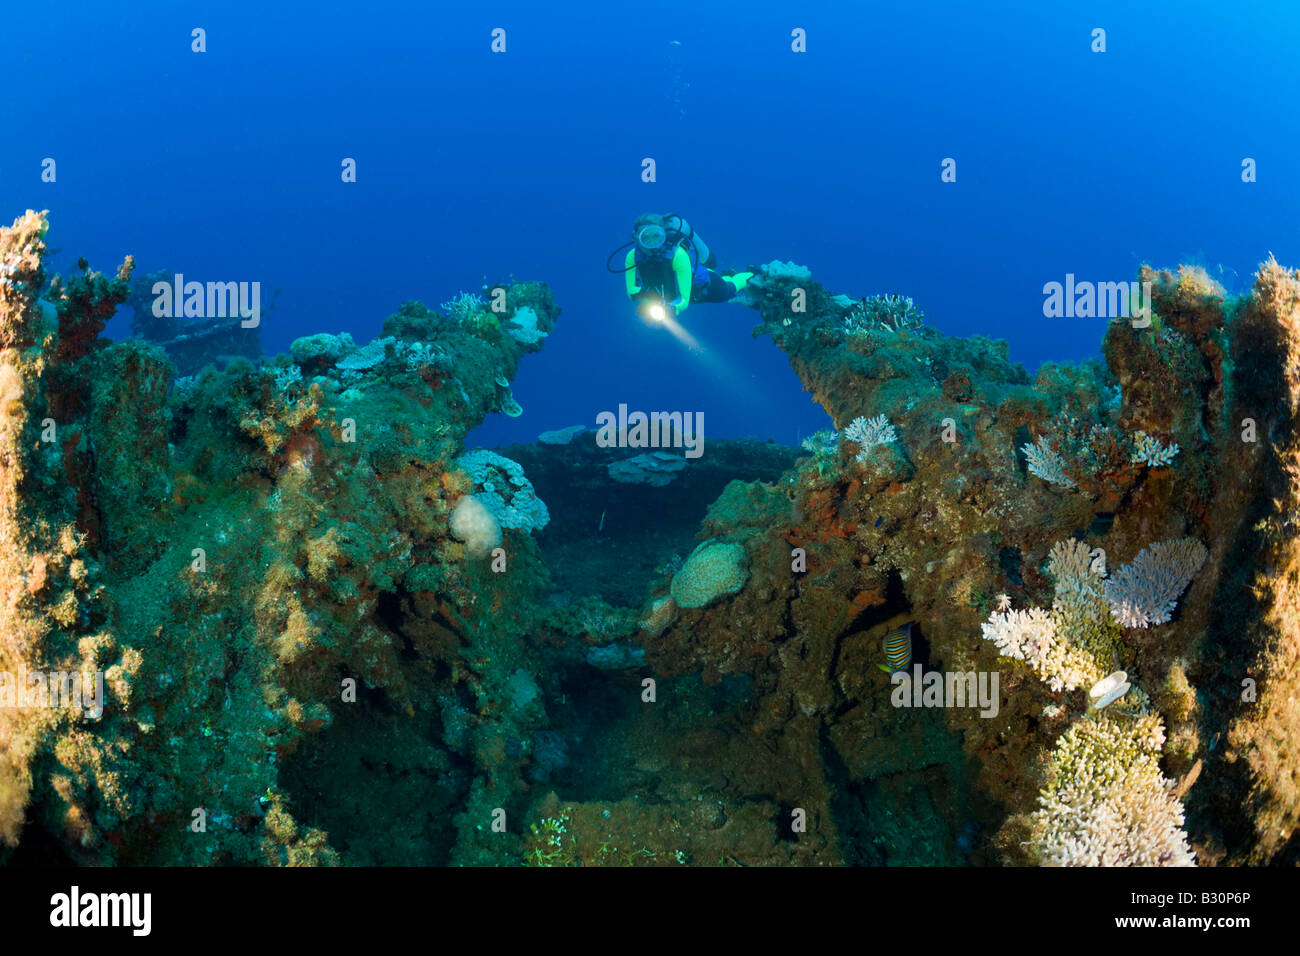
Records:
x=1031, y=636
x=1078, y=602
x=892, y=312
x=824, y=446
x=470, y=311
x=1106, y=802
x=1090, y=457
x=868, y=433
x=1045, y=462
x=824, y=443
x=1149, y=451
x=463, y=306
x=1073, y=566
x=1146, y=591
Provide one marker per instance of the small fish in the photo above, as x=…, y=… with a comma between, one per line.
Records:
x=602, y=523
x=880, y=521
x=898, y=649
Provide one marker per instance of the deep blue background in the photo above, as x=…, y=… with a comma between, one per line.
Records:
x=225, y=165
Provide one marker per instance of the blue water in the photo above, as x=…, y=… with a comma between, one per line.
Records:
x=225, y=165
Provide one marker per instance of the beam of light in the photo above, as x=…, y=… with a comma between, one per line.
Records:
x=675, y=329
x=743, y=383
x=715, y=364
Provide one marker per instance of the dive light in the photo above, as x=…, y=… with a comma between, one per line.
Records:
x=655, y=310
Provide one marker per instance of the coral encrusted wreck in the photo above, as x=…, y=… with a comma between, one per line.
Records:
x=328, y=632
x=242, y=559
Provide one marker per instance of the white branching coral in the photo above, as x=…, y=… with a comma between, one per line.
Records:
x=284, y=377
x=421, y=355
x=1149, y=451
x=823, y=443
x=1031, y=636
x=868, y=433
x=1106, y=802
x=1145, y=592
x=1020, y=634
x=1063, y=645
x=893, y=312
x=1074, y=566
x=1083, y=640
x=1078, y=603
x=1047, y=464
x=463, y=305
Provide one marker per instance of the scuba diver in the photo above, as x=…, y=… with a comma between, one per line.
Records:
x=668, y=266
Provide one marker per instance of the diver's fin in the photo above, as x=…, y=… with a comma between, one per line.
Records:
x=739, y=279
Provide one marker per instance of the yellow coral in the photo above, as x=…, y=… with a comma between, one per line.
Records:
x=1106, y=802
x=322, y=555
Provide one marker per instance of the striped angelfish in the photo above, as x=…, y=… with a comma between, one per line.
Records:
x=898, y=649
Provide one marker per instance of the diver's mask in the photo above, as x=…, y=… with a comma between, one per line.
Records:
x=651, y=239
